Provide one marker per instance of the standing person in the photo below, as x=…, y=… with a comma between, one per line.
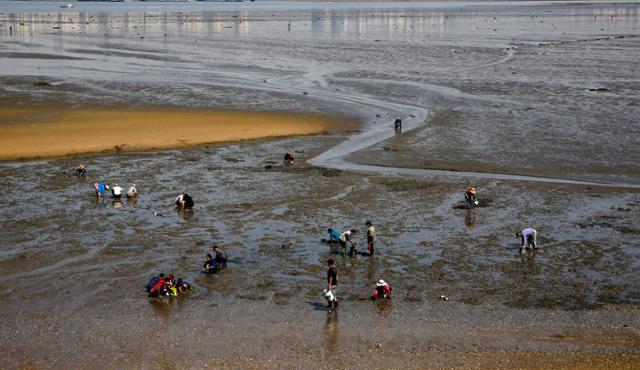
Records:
x=470, y=197
x=345, y=238
x=184, y=201
x=528, y=238
x=221, y=256
x=332, y=282
x=397, y=125
x=116, y=191
x=100, y=188
x=132, y=192
x=371, y=237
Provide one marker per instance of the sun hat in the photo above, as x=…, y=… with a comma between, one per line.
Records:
x=381, y=283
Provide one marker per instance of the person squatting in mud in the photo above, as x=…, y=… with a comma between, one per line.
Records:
x=382, y=290
x=210, y=265
x=288, y=158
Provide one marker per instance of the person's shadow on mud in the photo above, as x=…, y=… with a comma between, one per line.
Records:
x=318, y=306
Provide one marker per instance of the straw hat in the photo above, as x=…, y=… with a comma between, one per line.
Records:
x=381, y=283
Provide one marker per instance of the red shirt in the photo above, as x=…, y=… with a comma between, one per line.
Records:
x=156, y=287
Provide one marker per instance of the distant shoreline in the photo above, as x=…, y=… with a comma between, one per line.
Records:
x=58, y=132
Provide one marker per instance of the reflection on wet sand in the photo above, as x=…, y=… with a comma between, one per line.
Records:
x=331, y=332
x=470, y=218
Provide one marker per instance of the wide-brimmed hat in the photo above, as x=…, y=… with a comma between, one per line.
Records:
x=381, y=283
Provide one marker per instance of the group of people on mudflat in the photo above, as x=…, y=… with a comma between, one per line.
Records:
x=162, y=285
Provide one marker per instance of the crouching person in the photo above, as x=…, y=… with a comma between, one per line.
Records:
x=383, y=290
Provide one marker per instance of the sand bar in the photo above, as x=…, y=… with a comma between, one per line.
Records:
x=55, y=132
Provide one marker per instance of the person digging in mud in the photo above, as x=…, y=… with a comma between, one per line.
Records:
x=116, y=191
x=153, y=281
x=371, y=237
x=528, y=238
x=397, y=126
x=132, y=192
x=470, y=197
x=210, y=266
x=221, y=256
x=184, y=201
x=288, y=158
x=334, y=236
x=81, y=170
x=160, y=288
x=183, y=286
x=383, y=290
x=345, y=238
x=100, y=188
x=332, y=282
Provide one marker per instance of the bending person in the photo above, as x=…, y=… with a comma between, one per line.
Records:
x=528, y=238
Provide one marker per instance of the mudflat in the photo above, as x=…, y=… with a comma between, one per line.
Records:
x=487, y=92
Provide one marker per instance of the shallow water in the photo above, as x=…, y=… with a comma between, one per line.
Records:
x=89, y=259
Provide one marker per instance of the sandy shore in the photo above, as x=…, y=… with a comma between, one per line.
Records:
x=55, y=132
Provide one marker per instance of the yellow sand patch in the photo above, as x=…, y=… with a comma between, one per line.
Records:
x=50, y=132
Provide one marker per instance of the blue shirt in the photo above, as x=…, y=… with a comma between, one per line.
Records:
x=334, y=235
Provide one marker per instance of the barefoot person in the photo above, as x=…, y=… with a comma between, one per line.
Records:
x=528, y=238
x=332, y=282
x=371, y=237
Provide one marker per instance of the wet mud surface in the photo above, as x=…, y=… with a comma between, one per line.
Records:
x=73, y=268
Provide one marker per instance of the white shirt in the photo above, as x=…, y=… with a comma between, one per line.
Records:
x=345, y=236
x=132, y=191
x=117, y=190
x=528, y=232
x=371, y=232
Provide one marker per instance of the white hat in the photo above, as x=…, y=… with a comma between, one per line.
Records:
x=381, y=283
